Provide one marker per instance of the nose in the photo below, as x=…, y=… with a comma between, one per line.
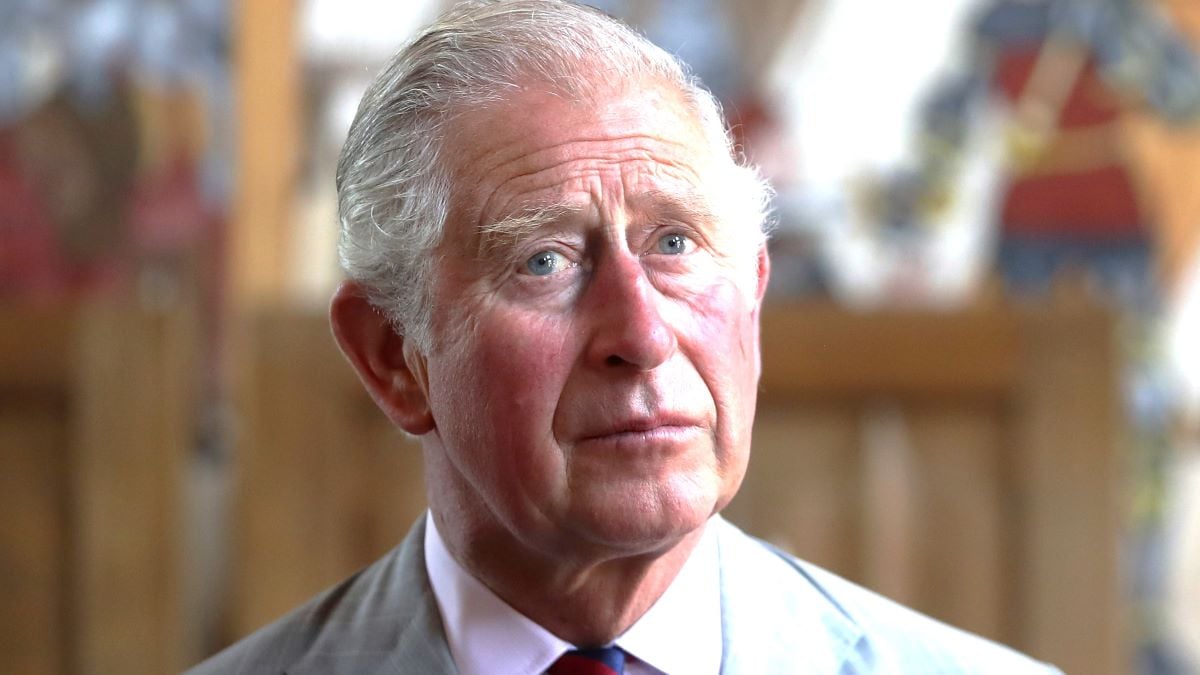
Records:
x=626, y=320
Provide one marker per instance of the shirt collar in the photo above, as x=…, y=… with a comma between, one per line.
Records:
x=680, y=633
x=486, y=636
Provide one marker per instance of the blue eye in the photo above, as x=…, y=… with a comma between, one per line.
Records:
x=674, y=244
x=543, y=263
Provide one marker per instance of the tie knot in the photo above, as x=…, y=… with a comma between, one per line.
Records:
x=599, y=661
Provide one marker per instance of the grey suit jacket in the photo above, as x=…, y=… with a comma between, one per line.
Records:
x=778, y=614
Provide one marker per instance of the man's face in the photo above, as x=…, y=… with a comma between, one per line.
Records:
x=595, y=350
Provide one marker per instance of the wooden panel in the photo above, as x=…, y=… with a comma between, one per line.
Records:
x=95, y=419
x=326, y=484
x=280, y=500
x=992, y=502
x=132, y=433
x=965, y=533
x=35, y=350
x=1068, y=439
x=909, y=501
x=33, y=540
x=394, y=480
x=892, y=529
x=373, y=475
x=802, y=489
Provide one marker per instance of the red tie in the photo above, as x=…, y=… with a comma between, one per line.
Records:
x=601, y=661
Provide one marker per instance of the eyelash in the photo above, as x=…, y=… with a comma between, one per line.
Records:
x=691, y=242
x=566, y=264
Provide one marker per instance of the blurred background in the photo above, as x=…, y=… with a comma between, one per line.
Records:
x=981, y=388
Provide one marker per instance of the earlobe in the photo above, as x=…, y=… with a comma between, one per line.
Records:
x=390, y=367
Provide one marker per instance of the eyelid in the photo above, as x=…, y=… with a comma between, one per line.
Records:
x=691, y=233
x=560, y=263
x=524, y=254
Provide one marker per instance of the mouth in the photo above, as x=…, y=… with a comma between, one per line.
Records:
x=643, y=430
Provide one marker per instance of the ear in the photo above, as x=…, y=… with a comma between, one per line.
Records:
x=391, y=369
x=763, y=276
x=764, y=272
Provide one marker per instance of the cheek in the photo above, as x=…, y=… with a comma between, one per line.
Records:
x=722, y=339
x=503, y=378
x=500, y=381
x=526, y=357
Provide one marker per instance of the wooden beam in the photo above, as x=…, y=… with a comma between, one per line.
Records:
x=268, y=94
x=1069, y=463
x=820, y=350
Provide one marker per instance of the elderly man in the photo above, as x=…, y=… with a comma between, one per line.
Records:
x=556, y=268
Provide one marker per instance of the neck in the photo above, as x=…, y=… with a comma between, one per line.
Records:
x=587, y=600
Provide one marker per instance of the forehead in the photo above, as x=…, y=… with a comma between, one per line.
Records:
x=620, y=147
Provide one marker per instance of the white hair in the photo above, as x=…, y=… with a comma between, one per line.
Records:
x=393, y=188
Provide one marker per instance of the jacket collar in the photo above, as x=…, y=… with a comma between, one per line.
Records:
x=775, y=615
x=394, y=627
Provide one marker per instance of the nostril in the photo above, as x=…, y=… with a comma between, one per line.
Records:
x=613, y=360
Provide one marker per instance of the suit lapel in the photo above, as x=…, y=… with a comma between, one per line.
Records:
x=392, y=627
x=773, y=618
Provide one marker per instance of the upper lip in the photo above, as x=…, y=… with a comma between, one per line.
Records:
x=641, y=423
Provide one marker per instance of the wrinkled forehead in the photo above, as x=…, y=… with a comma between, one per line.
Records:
x=540, y=110
x=511, y=155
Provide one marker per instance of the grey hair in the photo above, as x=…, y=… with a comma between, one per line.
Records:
x=392, y=183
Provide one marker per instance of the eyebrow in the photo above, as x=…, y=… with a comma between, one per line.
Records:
x=506, y=232
x=687, y=206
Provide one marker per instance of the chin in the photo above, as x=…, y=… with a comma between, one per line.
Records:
x=646, y=519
